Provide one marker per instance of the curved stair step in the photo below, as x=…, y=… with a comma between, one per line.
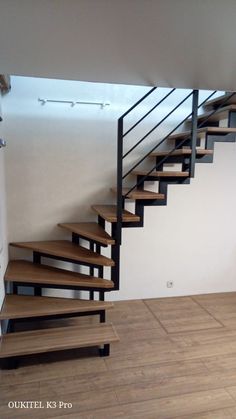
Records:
x=221, y=113
x=22, y=271
x=67, y=250
x=205, y=130
x=140, y=194
x=22, y=306
x=56, y=339
x=213, y=103
x=182, y=152
x=92, y=231
x=108, y=213
x=162, y=174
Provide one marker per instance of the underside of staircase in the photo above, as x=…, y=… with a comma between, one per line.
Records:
x=88, y=239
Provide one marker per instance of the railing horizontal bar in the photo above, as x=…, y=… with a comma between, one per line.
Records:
x=148, y=113
x=154, y=148
x=137, y=103
x=156, y=167
x=157, y=125
x=169, y=154
x=140, y=161
x=205, y=100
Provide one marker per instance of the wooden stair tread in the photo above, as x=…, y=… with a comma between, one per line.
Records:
x=108, y=212
x=140, y=194
x=56, y=339
x=161, y=174
x=220, y=99
x=66, y=249
x=23, y=271
x=89, y=230
x=21, y=306
x=221, y=113
x=204, y=130
x=182, y=152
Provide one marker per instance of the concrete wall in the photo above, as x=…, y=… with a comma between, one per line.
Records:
x=60, y=160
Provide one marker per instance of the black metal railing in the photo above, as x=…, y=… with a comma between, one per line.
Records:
x=192, y=139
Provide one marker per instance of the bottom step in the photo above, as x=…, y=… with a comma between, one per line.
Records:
x=56, y=339
x=25, y=306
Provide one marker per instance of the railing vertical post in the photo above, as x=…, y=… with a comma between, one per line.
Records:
x=194, y=132
x=119, y=181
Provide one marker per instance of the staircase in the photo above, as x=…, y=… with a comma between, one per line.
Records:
x=185, y=148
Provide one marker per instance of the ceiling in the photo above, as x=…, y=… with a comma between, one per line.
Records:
x=180, y=43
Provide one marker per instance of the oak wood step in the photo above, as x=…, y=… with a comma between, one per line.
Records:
x=162, y=174
x=213, y=103
x=66, y=249
x=182, y=152
x=222, y=113
x=140, y=194
x=56, y=339
x=204, y=130
x=91, y=231
x=108, y=213
x=22, y=306
x=22, y=271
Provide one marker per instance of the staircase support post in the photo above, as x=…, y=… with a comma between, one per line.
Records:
x=120, y=203
x=37, y=259
x=115, y=255
x=194, y=132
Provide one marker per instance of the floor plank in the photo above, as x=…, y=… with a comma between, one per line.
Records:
x=176, y=359
x=186, y=405
x=107, y=379
x=225, y=362
x=212, y=414
x=174, y=386
x=181, y=314
x=221, y=306
x=52, y=366
x=133, y=313
x=170, y=353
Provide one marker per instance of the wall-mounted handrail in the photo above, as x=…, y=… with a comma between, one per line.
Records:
x=72, y=103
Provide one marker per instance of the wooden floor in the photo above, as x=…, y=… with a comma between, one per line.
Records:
x=176, y=359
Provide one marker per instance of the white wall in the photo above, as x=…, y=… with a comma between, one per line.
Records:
x=3, y=223
x=192, y=241
x=60, y=160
